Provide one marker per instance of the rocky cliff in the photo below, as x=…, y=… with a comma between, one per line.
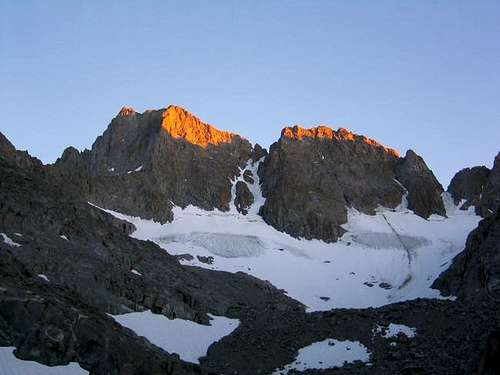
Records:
x=479, y=187
x=475, y=272
x=312, y=176
x=87, y=258
x=145, y=163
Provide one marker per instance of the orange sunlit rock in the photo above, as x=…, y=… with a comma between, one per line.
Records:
x=296, y=132
x=126, y=111
x=179, y=123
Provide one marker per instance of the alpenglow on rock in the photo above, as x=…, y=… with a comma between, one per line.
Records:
x=144, y=163
x=312, y=176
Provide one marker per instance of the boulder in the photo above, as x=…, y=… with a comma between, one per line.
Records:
x=244, y=198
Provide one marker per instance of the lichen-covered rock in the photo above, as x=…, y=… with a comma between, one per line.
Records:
x=475, y=272
x=312, y=176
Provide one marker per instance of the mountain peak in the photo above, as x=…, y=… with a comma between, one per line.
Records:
x=342, y=134
x=179, y=123
x=126, y=111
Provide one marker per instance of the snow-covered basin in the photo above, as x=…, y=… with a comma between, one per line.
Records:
x=11, y=365
x=345, y=274
x=184, y=337
x=328, y=353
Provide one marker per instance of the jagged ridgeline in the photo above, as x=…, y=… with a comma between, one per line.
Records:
x=65, y=264
x=145, y=163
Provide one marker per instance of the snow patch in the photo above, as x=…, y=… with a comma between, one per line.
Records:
x=9, y=241
x=393, y=330
x=10, y=365
x=64, y=237
x=135, y=272
x=42, y=276
x=138, y=169
x=184, y=337
x=325, y=354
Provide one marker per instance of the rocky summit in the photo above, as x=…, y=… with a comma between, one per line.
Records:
x=173, y=247
x=479, y=187
x=145, y=163
x=311, y=178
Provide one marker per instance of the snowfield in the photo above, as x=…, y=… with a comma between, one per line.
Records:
x=11, y=365
x=328, y=353
x=184, y=337
x=388, y=257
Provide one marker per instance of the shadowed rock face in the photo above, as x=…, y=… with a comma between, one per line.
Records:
x=475, y=272
x=491, y=195
x=19, y=158
x=468, y=184
x=145, y=163
x=311, y=176
x=424, y=191
x=244, y=198
x=88, y=256
x=479, y=187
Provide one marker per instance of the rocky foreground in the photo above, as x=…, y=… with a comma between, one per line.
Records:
x=145, y=163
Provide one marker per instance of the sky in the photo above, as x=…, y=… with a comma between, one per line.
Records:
x=415, y=74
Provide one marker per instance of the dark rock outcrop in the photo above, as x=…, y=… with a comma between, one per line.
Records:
x=144, y=163
x=88, y=257
x=311, y=177
x=244, y=198
x=491, y=195
x=478, y=187
x=49, y=324
x=475, y=272
x=424, y=191
x=468, y=184
x=18, y=158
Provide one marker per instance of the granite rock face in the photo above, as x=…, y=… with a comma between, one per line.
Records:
x=311, y=177
x=19, y=158
x=88, y=257
x=475, y=272
x=491, y=195
x=468, y=184
x=479, y=187
x=424, y=191
x=49, y=324
x=145, y=163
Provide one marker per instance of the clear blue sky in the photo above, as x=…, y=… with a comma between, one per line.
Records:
x=412, y=74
